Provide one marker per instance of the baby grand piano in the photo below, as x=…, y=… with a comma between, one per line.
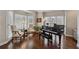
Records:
x=57, y=30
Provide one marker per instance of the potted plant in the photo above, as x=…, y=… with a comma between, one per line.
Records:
x=37, y=28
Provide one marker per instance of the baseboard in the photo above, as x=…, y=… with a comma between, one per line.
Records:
x=69, y=35
x=5, y=42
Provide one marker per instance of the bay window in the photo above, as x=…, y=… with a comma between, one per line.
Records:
x=23, y=21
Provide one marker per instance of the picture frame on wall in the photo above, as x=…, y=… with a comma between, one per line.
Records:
x=39, y=20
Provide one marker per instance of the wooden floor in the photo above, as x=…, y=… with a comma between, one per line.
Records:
x=35, y=43
x=70, y=43
x=32, y=42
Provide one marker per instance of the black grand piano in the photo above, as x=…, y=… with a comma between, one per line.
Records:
x=57, y=30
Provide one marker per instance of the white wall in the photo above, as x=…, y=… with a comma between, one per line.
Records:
x=71, y=21
x=55, y=13
x=39, y=15
x=78, y=29
x=2, y=26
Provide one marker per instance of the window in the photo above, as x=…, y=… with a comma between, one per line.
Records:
x=51, y=20
x=20, y=21
x=26, y=22
x=60, y=20
x=30, y=21
x=23, y=21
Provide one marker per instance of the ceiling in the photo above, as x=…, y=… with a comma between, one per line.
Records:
x=45, y=10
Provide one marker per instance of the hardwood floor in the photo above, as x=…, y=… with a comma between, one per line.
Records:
x=28, y=43
x=70, y=43
x=35, y=43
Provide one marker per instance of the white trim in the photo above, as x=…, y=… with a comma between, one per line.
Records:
x=4, y=42
x=69, y=35
x=65, y=22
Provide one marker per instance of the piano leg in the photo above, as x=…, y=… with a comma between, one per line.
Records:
x=59, y=41
x=48, y=42
x=55, y=42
